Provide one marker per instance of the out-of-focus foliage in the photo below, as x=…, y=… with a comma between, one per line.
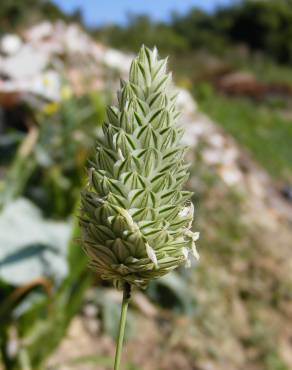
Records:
x=171, y=292
x=142, y=30
x=261, y=25
x=43, y=272
x=14, y=13
x=54, y=165
x=38, y=312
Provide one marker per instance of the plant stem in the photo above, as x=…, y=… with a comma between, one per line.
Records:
x=120, y=339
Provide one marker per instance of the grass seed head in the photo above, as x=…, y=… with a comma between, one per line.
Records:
x=135, y=218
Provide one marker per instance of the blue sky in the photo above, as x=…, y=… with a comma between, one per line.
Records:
x=109, y=11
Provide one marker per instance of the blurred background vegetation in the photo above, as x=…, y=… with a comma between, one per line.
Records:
x=233, y=310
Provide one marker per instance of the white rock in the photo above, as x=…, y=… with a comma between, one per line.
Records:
x=10, y=44
x=47, y=85
x=97, y=51
x=196, y=127
x=216, y=140
x=229, y=155
x=230, y=175
x=212, y=156
x=40, y=31
x=90, y=310
x=186, y=102
x=190, y=140
x=75, y=40
x=115, y=59
x=26, y=63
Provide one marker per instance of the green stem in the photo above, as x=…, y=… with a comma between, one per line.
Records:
x=120, y=339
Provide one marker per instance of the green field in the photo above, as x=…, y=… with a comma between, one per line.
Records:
x=261, y=128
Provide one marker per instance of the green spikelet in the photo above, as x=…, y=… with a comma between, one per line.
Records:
x=135, y=217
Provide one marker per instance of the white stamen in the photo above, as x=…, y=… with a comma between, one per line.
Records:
x=151, y=254
x=195, y=252
x=196, y=236
x=187, y=211
x=185, y=252
x=183, y=212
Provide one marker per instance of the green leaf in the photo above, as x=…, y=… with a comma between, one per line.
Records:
x=30, y=245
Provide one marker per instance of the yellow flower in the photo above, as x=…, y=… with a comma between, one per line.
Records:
x=66, y=92
x=51, y=108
